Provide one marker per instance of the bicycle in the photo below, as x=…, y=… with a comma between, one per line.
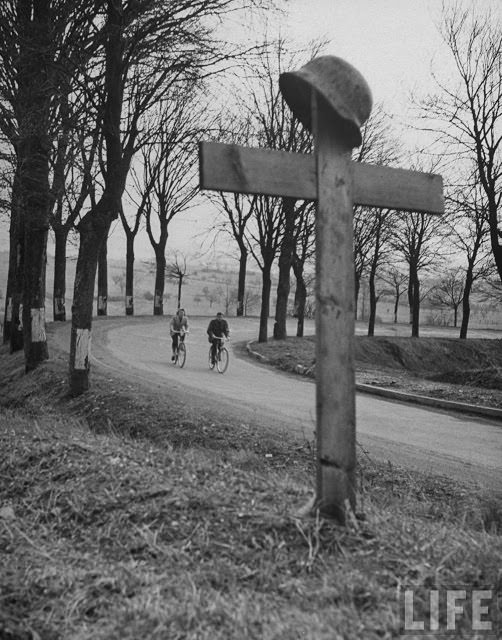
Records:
x=180, y=354
x=222, y=356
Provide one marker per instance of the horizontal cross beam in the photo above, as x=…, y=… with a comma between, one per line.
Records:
x=229, y=167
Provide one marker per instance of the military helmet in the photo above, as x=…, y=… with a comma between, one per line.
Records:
x=338, y=83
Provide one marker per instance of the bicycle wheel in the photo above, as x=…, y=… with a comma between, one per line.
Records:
x=182, y=354
x=222, y=361
x=211, y=363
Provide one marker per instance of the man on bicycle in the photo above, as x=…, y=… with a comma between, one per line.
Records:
x=218, y=327
x=177, y=328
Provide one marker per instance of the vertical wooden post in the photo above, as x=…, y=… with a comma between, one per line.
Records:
x=335, y=388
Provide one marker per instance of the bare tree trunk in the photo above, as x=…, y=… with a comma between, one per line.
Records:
x=11, y=283
x=16, y=337
x=129, y=284
x=357, y=286
x=160, y=278
x=466, y=306
x=241, y=287
x=33, y=105
x=396, y=306
x=265, y=303
x=410, y=296
x=95, y=225
x=12, y=294
x=180, y=284
x=59, y=290
x=415, y=318
x=300, y=297
x=34, y=336
x=93, y=233
x=373, y=303
x=285, y=261
x=103, y=279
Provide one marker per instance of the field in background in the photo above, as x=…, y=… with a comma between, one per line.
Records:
x=211, y=287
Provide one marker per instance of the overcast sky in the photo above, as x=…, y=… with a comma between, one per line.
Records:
x=391, y=42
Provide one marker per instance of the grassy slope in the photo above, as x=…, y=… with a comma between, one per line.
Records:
x=427, y=356
x=123, y=517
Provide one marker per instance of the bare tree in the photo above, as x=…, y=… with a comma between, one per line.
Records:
x=371, y=227
x=44, y=44
x=277, y=128
x=131, y=231
x=264, y=242
x=466, y=114
x=211, y=294
x=251, y=299
x=177, y=271
x=395, y=278
x=236, y=209
x=383, y=221
x=417, y=239
x=74, y=178
x=169, y=175
x=449, y=291
x=162, y=44
x=470, y=231
x=303, y=252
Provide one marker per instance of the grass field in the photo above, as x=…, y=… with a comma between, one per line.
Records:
x=124, y=517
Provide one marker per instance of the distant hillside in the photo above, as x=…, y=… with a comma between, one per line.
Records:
x=206, y=287
x=210, y=287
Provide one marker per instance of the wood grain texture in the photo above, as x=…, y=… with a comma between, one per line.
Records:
x=335, y=379
x=240, y=169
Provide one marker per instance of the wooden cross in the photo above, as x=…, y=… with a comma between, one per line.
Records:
x=337, y=103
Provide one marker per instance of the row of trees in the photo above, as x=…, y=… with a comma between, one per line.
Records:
x=465, y=119
x=85, y=87
x=123, y=114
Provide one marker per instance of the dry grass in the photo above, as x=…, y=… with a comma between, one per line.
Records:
x=448, y=368
x=157, y=532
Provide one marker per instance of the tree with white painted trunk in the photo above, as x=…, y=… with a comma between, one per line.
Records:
x=148, y=48
x=74, y=173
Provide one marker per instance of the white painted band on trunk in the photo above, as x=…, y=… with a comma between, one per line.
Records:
x=8, y=311
x=83, y=349
x=38, y=325
x=101, y=302
x=128, y=301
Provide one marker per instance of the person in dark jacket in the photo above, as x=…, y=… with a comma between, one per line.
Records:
x=218, y=328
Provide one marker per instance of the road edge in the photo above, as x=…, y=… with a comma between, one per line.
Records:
x=402, y=396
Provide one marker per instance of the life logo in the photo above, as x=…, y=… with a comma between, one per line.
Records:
x=451, y=613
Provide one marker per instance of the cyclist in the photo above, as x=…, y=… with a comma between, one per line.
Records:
x=178, y=327
x=218, y=327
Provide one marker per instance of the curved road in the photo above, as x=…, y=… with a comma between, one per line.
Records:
x=444, y=443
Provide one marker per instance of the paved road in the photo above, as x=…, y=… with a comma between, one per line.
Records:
x=466, y=448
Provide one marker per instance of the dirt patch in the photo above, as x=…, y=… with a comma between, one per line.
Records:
x=490, y=378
